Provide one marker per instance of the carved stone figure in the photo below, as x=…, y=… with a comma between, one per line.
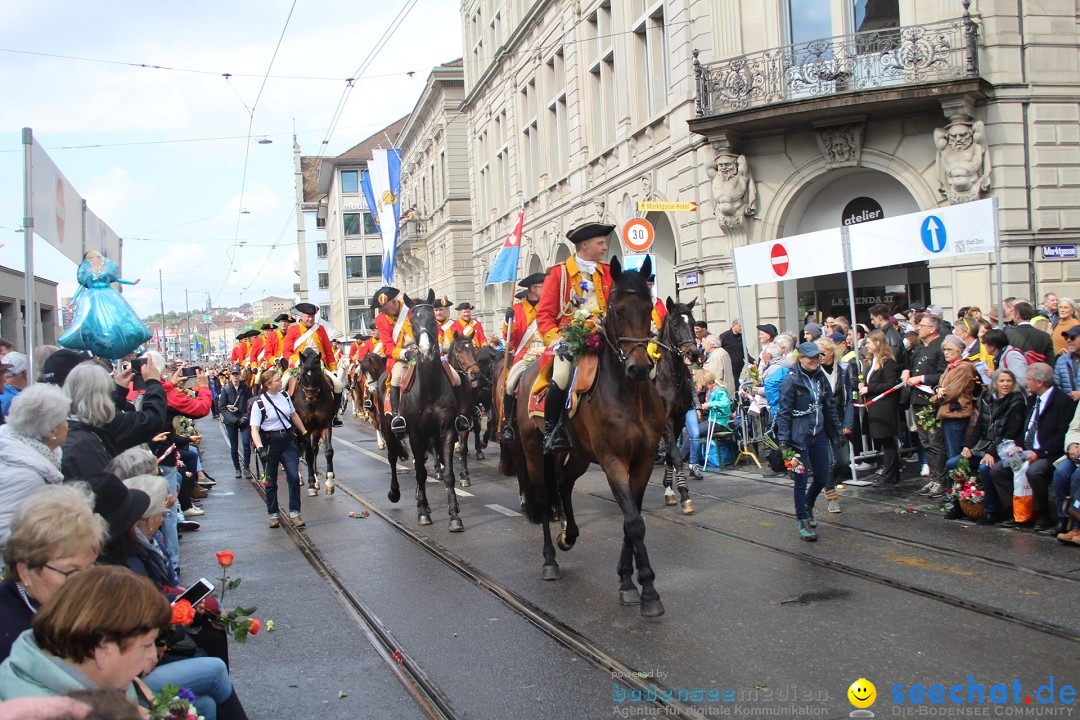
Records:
x=963, y=161
x=733, y=190
x=841, y=145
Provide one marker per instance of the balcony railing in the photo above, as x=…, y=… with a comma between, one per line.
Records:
x=909, y=55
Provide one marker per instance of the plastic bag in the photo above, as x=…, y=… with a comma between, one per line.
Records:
x=1022, y=500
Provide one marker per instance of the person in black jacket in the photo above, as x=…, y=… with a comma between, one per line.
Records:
x=882, y=374
x=926, y=363
x=880, y=318
x=98, y=430
x=1027, y=338
x=233, y=404
x=732, y=341
x=1049, y=412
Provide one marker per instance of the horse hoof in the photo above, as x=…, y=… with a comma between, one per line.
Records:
x=688, y=507
x=629, y=597
x=652, y=608
x=423, y=519
x=479, y=455
x=464, y=481
x=456, y=525
x=312, y=492
x=521, y=501
x=669, y=497
x=382, y=444
x=393, y=496
x=550, y=572
x=330, y=487
x=562, y=542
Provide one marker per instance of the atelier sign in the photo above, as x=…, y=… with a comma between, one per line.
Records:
x=860, y=210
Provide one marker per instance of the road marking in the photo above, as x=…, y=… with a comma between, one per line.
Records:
x=505, y=511
x=386, y=462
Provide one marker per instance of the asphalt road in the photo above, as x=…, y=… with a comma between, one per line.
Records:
x=756, y=619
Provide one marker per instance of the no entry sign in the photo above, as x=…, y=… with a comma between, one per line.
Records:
x=638, y=234
x=778, y=256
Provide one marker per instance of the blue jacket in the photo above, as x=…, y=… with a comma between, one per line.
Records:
x=31, y=671
x=772, y=382
x=1067, y=373
x=797, y=417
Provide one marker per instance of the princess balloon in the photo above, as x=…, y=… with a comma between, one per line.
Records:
x=103, y=322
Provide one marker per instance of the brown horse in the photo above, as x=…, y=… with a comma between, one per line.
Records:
x=676, y=386
x=314, y=403
x=371, y=370
x=617, y=425
x=461, y=356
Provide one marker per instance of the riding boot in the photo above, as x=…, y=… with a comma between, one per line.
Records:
x=554, y=438
x=508, y=418
x=336, y=422
x=397, y=423
x=231, y=709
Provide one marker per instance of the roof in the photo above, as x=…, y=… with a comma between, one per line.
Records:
x=309, y=167
x=273, y=298
x=362, y=150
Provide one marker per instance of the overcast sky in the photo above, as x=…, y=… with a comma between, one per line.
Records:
x=161, y=178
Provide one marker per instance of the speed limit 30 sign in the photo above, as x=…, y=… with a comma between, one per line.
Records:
x=638, y=234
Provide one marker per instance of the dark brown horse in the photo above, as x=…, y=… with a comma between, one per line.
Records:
x=372, y=367
x=429, y=407
x=461, y=356
x=676, y=385
x=617, y=426
x=314, y=403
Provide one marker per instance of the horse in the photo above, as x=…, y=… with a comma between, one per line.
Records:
x=429, y=407
x=315, y=406
x=617, y=425
x=461, y=356
x=487, y=358
x=676, y=386
x=372, y=368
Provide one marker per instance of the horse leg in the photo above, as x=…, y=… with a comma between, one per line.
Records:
x=568, y=477
x=478, y=443
x=684, y=492
x=463, y=474
x=311, y=454
x=628, y=591
x=669, y=472
x=550, y=571
x=634, y=529
x=329, y=452
x=380, y=439
x=395, y=490
x=447, y=451
x=423, y=512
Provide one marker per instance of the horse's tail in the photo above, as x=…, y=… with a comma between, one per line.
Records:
x=543, y=493
x=508, y=462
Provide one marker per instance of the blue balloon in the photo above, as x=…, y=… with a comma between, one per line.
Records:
x=103, y=322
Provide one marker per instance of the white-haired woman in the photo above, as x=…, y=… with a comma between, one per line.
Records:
x=30, y=447
x=149, y=557
x=98, y=432
x=1066, y=319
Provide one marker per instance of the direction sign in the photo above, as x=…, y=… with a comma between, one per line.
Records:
x=691, y=279
x=933, y=234
x=964, y=229
x=638, y=234
x=778, y=256
x=665, y=206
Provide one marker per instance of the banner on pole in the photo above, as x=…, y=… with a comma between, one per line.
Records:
x=965, y=229
x=101, y=237
x=384, y=173
x=504, y=269
x=790, y=258
x=57, y=208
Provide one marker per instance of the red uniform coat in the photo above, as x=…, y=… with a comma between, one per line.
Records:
x=469, y=329
x=240, y=352
x=271, y=348
x=659, y=312
x=256, y=348
x=550, y=317
x=319, y=340
x=524, y=314
x=384, y=330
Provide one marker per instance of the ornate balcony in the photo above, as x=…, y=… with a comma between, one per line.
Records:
x=849, y=64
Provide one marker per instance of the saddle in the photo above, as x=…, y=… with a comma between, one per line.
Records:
x=409, y=374
x=584, y=379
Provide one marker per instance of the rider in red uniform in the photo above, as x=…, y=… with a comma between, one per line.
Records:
x=308, y=334
x=390, y=326
x=467, y=326
x=524, y=342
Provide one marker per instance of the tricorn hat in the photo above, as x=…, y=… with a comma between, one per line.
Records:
x=286, y=317
x=465, y=306
x=383, y=295
x=587, y=231
x=521, y=295
x=536, y=278
x=306, y=308
x=267, y=326
x=443, y=302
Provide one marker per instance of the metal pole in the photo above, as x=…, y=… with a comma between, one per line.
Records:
x=845, y=239
x=29, y=311
x=187, y=323
x=162, y=346
x=997, y=248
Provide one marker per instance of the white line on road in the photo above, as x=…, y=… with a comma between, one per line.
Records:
x=505, y=511
x=382, y=459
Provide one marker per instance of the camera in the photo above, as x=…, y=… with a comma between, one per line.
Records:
x=137, y=365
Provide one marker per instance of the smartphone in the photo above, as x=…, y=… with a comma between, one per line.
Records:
x=197, y=592
x=137, y=365
x=189, y=372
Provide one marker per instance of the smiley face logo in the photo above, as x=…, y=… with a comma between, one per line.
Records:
x=862, y=693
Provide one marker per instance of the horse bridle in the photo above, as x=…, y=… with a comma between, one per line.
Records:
x=616, y=346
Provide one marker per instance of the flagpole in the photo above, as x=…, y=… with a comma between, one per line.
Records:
x=29, y=311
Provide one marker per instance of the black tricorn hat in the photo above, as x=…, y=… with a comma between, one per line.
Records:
x=465, y=306
x=242, y=336
x=534, y=279
x=267, y=326
x=306, y=308
x=252, y=333
x=443, y=302
x=521, y=295
x=383, y=295
x=588, y=230
x=284, y=316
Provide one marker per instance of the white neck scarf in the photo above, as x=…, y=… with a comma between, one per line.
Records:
x=587, y=267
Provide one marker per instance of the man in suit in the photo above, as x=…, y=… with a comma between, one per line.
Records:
x=1049, y=412
x=1026, y=338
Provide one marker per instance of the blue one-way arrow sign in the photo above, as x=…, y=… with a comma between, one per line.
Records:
x=933, y=234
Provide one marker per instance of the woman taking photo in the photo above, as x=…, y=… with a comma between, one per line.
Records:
x=883, y=415
x=954, y=397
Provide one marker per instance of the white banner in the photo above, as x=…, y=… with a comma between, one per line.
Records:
x=964, y=229
x=384, y=169
x=57, y=207
x=101, y=237
x=790, y=258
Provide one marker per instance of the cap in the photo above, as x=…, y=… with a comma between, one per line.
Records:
x=284, y=317
x=809, y=349
x=838, y=337
x=814, y=329
x=537, y=278
x=1072, y=332
x=59, y=364
x=306, y=308
x=769, y=328
x=917, y=307
x=899, y=317
x=465, y=306
x=935, y=311
x=587, y=231
x=383, y=295
x=121, y=506
x=235, y=369
x=443, y=302
x=17, y=361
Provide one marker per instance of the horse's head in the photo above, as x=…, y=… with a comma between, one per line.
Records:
x=310, y=367
x=425, y=328
x=628, y=320
x=462, y=355
x=677, y=331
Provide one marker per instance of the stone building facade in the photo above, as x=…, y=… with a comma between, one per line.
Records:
x=776, y=118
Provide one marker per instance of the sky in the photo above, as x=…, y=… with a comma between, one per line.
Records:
x=166, y=166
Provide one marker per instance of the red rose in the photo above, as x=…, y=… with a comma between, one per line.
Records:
x=254, y=625
x=225, y=558
x=182, y=613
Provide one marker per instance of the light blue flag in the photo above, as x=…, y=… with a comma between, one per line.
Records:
x=221, y=344
x=384, y=172
x=504, y=269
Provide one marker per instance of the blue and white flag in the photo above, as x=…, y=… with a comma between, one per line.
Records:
x=384, y=172
x=221, y=344
x=504, y=269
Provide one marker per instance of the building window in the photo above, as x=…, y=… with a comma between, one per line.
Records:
x=350, y=181
x=370, y=228
x=650, y=40
x=557, y=127
x=320, y=223
x=810, y=20
x=442, y=173
x=320, y=249
x=324, y=311
x=352, y=223
x=324, y=281
x=358, y=314
x=374, y=265
x=601, y=76
x=354, y=266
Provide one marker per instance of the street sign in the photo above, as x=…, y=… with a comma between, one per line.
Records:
x=933, y=234
x=964, y=229
x=664, y=206
x=638, y=234
x=691, y=280
x=779, y=258
x=1060, y=252
x=790, y=258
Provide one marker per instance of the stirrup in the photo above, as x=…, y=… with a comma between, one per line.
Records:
x=555, y=440
x=368, y=404
x=397, y=424
x=508, y=434
x=462, y=424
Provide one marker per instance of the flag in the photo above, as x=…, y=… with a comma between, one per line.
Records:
x=198, y=346
x=363, y=326
x=504, y=269
x=221, y=344
x=384, y=174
